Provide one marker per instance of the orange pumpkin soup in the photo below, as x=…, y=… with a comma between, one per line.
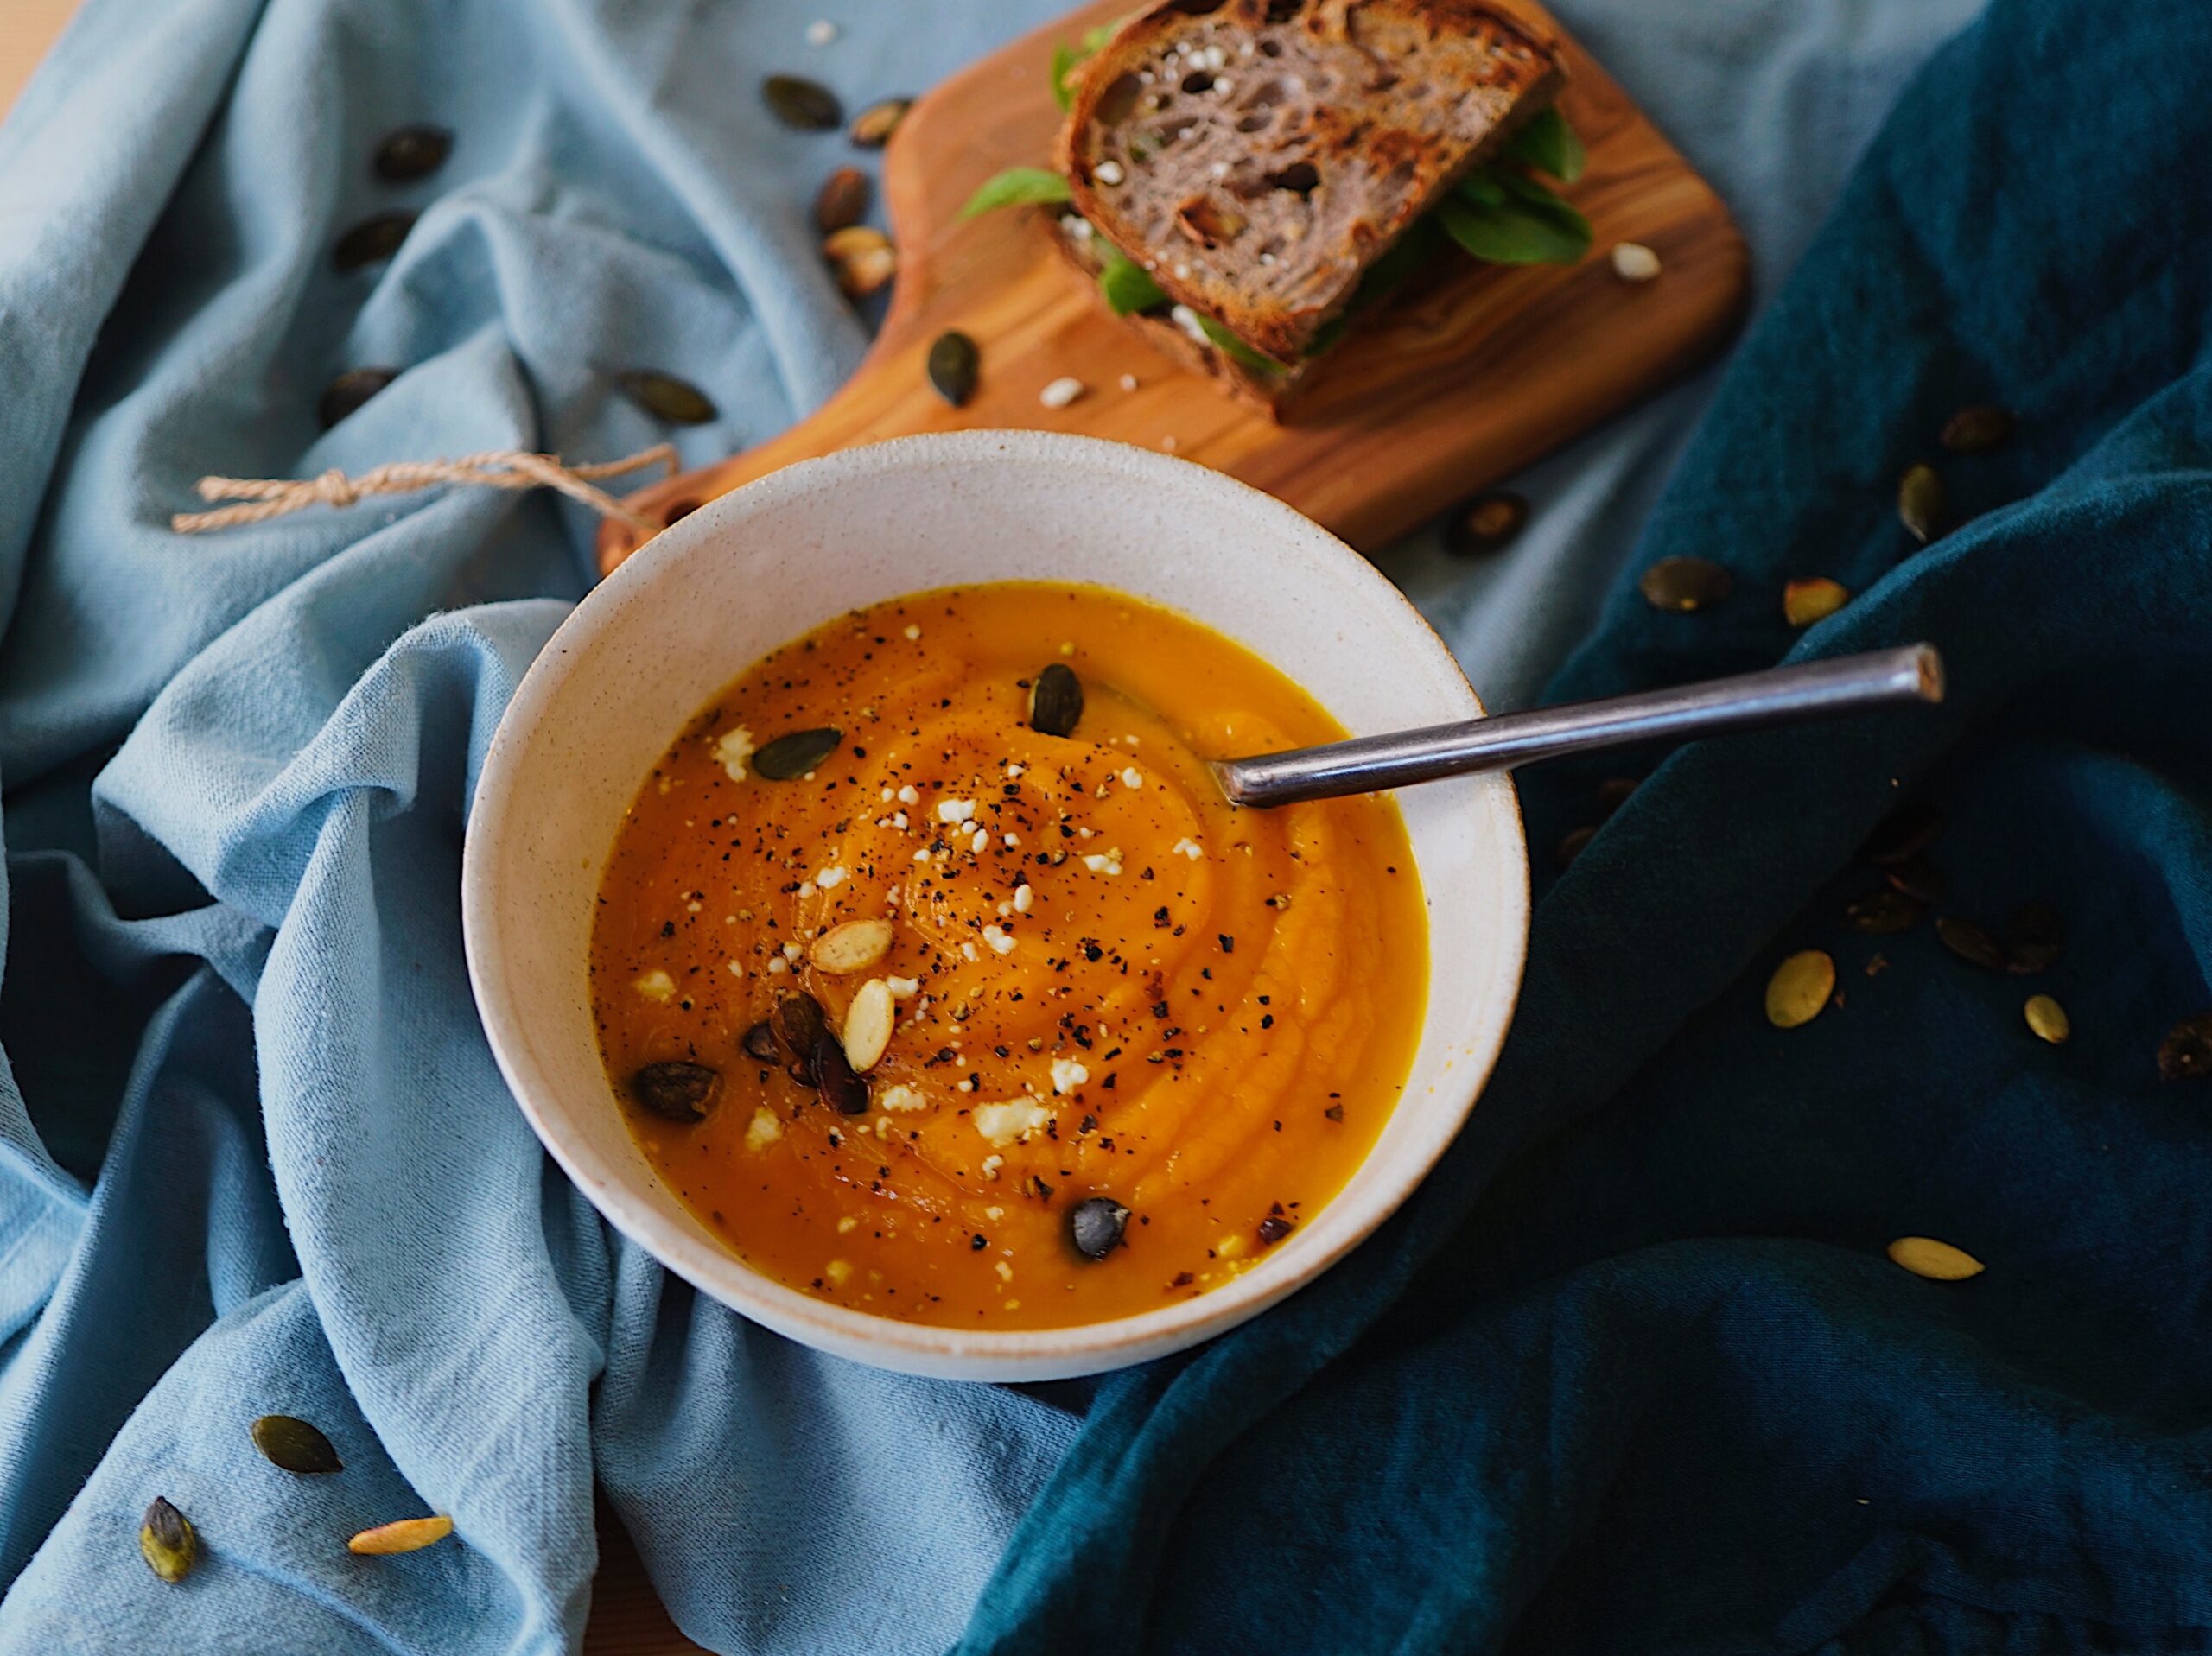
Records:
x=935, y=1011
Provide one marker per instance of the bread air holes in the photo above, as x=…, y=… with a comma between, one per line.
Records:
x=1300, y=178
x=1198, y=7
x=1280, y=11
x=1260, y=106
x=1198, y=80
x=1119, y=100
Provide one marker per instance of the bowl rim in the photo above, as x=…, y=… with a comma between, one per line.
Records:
x=720, y=1273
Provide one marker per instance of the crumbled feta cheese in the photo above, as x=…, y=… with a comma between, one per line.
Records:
x=991, y=1165
x=912, y=633
x=778, y=963
x=998, y=939
x=956, y=810
x=899, y=821
x=737, y=968
x=1132, y=778
x=763, y=1130
x=1024, y=897
x=1062, y=392
x=732, y=749
x=1015, y=1118
x=923, y=855
x=847, y=1225
x=910, y=795
x=1187, y=847
x=838, y=1270
x=994, y=1214
x=1108, y=862
x=967, y=952
x=1005, y=1270
x=1013, y=840
x=980, y=844
x=830, y=876
x=1014, y=768
x=901, y=1097
x=902, y=988
x=656, y=985
x=792, y=951
x=1076, y=225
x=1068, y=1074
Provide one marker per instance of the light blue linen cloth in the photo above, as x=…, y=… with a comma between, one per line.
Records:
x=254, y=1156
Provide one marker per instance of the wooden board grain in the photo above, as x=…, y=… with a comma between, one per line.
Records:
x=1447, y=392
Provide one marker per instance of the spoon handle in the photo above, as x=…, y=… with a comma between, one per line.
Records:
x=1780, y=695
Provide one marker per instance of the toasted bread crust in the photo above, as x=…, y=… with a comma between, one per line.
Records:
x=1269, y=150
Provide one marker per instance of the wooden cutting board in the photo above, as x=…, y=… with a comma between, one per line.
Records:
x=1446, y=393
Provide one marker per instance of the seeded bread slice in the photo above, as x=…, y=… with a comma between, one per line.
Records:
x=1257, y=156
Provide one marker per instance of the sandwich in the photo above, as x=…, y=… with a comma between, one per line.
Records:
x=1249, y=180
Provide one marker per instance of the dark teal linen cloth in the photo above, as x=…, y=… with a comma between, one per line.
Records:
x=1632, y=1374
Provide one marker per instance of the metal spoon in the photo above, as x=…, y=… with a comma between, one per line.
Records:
x=1780, y=695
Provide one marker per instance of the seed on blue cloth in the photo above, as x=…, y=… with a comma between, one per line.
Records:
x=759, y=1042
x=1804, y=602
x=873, y=127
x=1056, y=700
x=1095, y=1226
x=1883, y=910
x=1486, y=523
x=2034, y=940
x=952, y=365
x=2048, y=1019
x=166, y=1539
x=1977, y=430
x=1918, y=878
x=413, y=152
x=806, y=104
x=2186, y=1053
x=1938, y=1261
x=795, y=752
x=677, y=1090
x=1799, y=990
x=403, y=1535
x=843, y=1087
x=1685, y=584
x=373, y=240
x=349, y=391
x=843, y=200
x=1970, y=941
x=1905, y=832
x=666, y=397
x=293, y=1444
x=1920, y=501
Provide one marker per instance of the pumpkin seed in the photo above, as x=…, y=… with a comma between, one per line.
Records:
x=1056, y=700
x=853, y=946
x=1095, y=1226
x=800, y=1020
x=666, y=397
x=952, y=365
x=1938, y=1261
x=373, y=240
x=869, y=1022
x=677, y=1090
x=1804, y=602
x=863, y=258
x=1274, y=1229
x=166, y=1539
x=1800, y=988
x=413, y=152
x=2186, y=1053
x=1920, y=501
x=1977, y=429
x=1917, y=878
x=403, y=1535
x=349, y=391
x=1613, y=792
x=873, y=127
x=1905, y=833
x=842, y=1088
x=794, y=753
x=806, y=104
x=295, y=1445
x=2048, y=1019
x=677, y=510
x=759, y=1042
x=843, y=200
x=1883, y=910
x=1485, y=524
x=1970, y=942
x=2034, y=940
x=1685, y=584
x=1573, y=845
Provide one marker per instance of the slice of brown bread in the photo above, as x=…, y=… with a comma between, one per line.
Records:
x=1257, y=156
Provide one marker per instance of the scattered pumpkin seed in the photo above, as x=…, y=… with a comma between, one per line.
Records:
x=1274, y=1229
x=1573, y=843
x=2186, y=1053
x=292, y=1443
x=413, y=152
x=800, y=1020
x=759, y=1042
x=1970, y=941
x=1804, y=602
x=806, y=104
x=952, y=366
x=373, y=240
x=794, y=753
x=873, y=127
x=677, y=510
x=1938, y=1261
x=349, y=391
x=863, y=258
x=677, y=1090
x=1800, y=988
x=1977, y=429
x=1883, y=910
x=869, y=1022
x=1095, y=1226
x=1920, y=501
x=1918, y=878
x=1686, y=584
x=1485, y=524
x=1905, y=832
x=2048, y=1019
x=843, y=200
x=666, y=397
x=2034, y=940
x=1056, y=700
x=403, y=1535
x=166, y=1539
x=843, y=1087
x=1613, y=792
x=853, y=946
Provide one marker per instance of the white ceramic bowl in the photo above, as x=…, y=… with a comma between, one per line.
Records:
x=709, y=596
